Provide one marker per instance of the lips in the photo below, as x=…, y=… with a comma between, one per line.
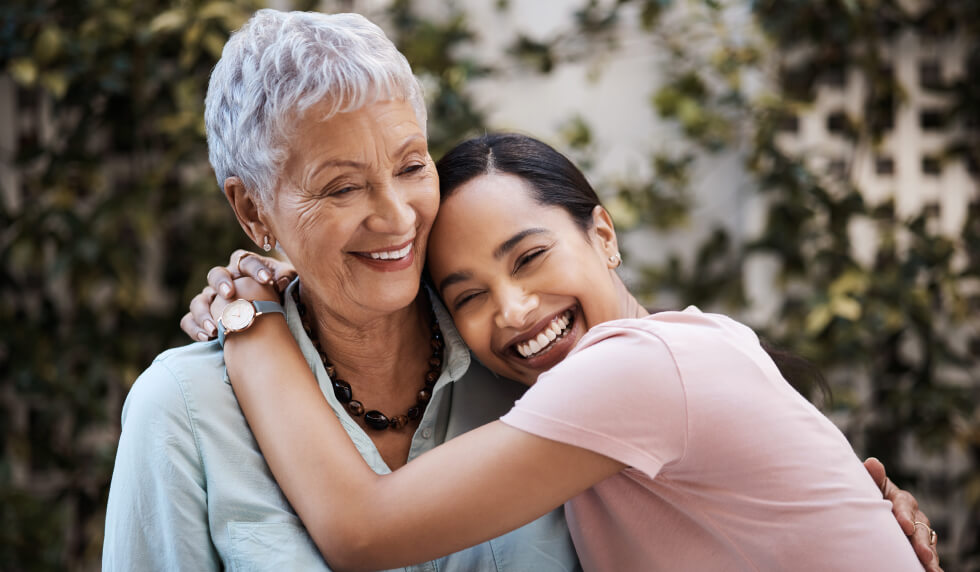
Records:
x=391, y=254
x=389, y=258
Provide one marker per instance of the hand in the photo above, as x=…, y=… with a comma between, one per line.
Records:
x=200, y=323
x=906, y=511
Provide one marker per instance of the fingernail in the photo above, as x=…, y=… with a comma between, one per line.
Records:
x=225, y=290
x=202, y=336
x=211, y=328
x=283, y=283
x=264, y=276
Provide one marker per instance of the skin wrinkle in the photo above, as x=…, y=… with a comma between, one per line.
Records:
x=371, y=324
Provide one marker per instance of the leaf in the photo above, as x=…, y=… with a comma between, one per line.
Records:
x=168, y=22
x=55, y=82
x=47, y=46
x=23, y=71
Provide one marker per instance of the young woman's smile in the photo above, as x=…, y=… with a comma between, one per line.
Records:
x=522, y=280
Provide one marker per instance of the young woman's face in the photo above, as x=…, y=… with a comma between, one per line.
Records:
x=522, y=281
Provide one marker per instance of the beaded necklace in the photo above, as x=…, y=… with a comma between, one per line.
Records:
x=342, y=390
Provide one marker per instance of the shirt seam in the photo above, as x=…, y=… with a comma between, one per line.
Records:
x=580, y=429
x=687, y=427
x=680, y=379
x=180, y=381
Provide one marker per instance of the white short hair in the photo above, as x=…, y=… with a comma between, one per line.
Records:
x=279, y=65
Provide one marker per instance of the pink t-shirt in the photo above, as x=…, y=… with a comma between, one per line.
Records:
x=729, y=467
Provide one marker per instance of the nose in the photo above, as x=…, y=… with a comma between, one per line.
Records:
x=514, y=306
x=392, y=212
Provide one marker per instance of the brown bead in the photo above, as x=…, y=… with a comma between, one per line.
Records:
x=376, y=420
x=436, y=344
x=331, y=370
x=342, y=390
x=434, y=361
x=398, y=421
x=424, y=396
x=414, y=413
x=431, y=377
x=356, y=408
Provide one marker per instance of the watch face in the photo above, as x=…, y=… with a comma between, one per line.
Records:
x=238, y=315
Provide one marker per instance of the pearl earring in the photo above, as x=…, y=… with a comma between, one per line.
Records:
x=615, y=260
x=266, y=246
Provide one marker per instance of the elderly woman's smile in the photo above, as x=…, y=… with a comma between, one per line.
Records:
x=357, y=197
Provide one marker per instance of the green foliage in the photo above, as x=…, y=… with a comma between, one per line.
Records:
x=113, y=224
x=907, y=322
x=116, y=216
x=113, y=214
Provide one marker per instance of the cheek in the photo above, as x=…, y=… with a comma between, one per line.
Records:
x=427, y=203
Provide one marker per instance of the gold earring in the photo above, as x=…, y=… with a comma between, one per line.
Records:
x=266, y=246
x=615, y=260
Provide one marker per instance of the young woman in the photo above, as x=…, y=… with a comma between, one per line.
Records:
x=672, y=438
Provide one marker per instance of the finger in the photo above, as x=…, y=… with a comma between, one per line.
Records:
x=255, y=267
x=922, y=540
x=284, y=274
x=904, y=507
x=221, y=280
x=877, y=472
x=190, y=328
x=201, y=312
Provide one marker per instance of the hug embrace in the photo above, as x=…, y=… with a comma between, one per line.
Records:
x=362, y=417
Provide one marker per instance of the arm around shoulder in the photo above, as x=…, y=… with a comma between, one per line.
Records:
x=157, y=516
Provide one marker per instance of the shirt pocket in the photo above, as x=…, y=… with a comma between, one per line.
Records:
x=272, y=546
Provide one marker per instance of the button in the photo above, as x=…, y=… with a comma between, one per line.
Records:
x=427, y=433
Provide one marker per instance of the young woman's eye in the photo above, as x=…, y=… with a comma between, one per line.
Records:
x=466, y=298
x=528, y=257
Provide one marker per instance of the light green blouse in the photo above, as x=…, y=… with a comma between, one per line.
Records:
x=191, y=491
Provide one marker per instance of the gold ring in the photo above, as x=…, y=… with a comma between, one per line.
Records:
x=238, y=265
x=933, y=537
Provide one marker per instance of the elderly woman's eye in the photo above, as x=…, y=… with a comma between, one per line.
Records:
x=415, y=168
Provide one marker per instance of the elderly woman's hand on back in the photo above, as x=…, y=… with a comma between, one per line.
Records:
x=199, y=322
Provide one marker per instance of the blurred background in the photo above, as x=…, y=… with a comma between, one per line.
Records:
x=808, y=166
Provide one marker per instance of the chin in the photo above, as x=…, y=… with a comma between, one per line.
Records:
x=395, y=299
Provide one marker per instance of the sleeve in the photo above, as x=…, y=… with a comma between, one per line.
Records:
x=619, y=394
x=157, y=517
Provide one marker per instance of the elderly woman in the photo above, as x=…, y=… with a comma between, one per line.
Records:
x=316, y=131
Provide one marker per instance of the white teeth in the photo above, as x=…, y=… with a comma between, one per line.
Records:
x=392, y=254
x=552, y=332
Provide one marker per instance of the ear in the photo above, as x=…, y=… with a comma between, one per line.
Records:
x=603, y=232
x=247, y=211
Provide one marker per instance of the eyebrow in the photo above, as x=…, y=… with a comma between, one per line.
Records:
x=453, y=278
x=509, y=244
x=414, y=139
x=500, y=252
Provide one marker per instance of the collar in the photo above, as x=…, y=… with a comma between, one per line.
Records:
x=457, y=355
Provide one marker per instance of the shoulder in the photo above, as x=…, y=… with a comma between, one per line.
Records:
x=683, y=333
x=162, y=391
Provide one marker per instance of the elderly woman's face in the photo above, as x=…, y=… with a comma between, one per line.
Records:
x=356, y=201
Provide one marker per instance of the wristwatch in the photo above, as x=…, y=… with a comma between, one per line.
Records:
x=240, y=315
